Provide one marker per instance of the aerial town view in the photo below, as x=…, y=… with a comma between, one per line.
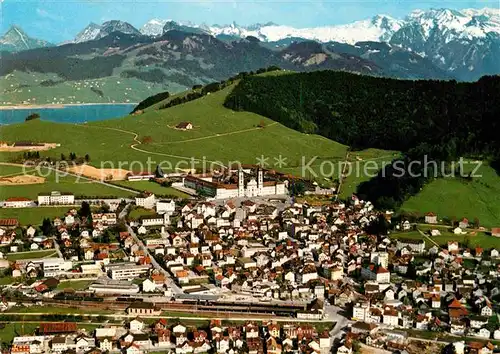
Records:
x=249, y=177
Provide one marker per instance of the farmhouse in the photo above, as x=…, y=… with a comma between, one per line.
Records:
x=229, y=185
x=17, y=202
x=184, y=126
x=56, y=198
x=495, y=232
x=430, y=218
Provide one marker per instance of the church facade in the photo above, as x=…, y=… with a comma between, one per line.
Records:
x=247, y=185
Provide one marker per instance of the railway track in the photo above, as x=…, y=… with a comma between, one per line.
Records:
x=208, y=309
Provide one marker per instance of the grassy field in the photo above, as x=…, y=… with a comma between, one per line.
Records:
x=219, y=134
x=21, y=86
x=75, y=285
x=11, y=330
x=10, y=171
x=456, y=197
x=364, y=165
x=138, y=212
x=31, y=255
x=33, y=216
x=58, y=310
x=480, y=239
x=55, y=181
x=152, y=187
x=6, y=281
x=222, y=136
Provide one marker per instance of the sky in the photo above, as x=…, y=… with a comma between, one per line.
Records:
x=61, y=20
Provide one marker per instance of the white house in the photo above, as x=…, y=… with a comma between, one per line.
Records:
x=136, y=325
x=146, y=200
x=165, y=206
x=148, y=286
x=17, y=202
x=56, y=198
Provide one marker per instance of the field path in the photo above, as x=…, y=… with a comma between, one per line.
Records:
x=18, y=173
x=341, y=179
x=216, y=135
x=429, y=239
x=138, y=142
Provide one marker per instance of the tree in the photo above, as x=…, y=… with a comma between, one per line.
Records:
x=159, y=172
x=297, y=188
x=85, y=210
x=63, y=157
x=87, y=158
x=32, y=116
x=47, y=227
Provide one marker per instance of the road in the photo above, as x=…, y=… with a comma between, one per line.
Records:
x=168, y=279
x=341, y=179
x=332, y=314
x=57, y=248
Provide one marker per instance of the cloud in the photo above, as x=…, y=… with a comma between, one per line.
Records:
x=47, y=15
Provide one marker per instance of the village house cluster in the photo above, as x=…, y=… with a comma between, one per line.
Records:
x=299, y=259
x=172, y=336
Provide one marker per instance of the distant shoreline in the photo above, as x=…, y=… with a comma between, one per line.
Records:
x=60, y=106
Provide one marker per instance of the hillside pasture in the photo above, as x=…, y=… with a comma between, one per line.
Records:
x=478, y=197
x=219, y=134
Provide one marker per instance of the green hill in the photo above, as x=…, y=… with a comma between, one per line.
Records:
x=219, y=134
x=456, y=198
x=369, y=112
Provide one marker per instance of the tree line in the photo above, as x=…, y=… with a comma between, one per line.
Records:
x=199, y=91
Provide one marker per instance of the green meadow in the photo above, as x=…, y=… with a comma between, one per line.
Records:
x=153, y=187
x=54, y=181
x=33, y=216
x=458, y=198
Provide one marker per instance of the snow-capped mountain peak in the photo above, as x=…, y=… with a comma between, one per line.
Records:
x=89, y=33
x=15, y=39
x=153, y=27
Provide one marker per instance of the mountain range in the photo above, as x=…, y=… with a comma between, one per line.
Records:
x=465, y=44
x=132, y=63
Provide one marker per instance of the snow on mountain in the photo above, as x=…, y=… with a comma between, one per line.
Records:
x=465, y=43
x=469, y=23
x=94, y=31
x=379, y=28
x=89, y=33
x=153, y=27
x=15, y=40
x=117, y=26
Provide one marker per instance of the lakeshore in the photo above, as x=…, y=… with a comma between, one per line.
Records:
x=58, y=105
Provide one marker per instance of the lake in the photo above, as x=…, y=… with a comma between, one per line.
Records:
x=68, y=114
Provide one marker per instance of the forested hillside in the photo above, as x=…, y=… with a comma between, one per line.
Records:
x=427, y=120
x=442, y=118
